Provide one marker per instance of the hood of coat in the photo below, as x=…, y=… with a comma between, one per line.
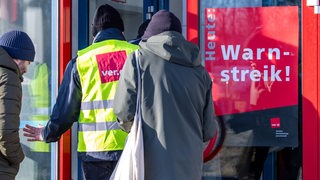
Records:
x=173, y=47
x=7, y=62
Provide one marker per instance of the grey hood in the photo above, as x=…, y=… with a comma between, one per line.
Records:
x=172, y=46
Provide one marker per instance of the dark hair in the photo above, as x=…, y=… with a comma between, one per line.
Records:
x=143, y=28
x=106, y=17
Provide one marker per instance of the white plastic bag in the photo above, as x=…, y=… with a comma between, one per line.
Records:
x=131, y=163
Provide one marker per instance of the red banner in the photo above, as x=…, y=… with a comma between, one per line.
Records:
x=252, y=56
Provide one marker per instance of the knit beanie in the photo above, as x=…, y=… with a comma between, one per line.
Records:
x=18, y=45
x=106, y=17
x=160, y=22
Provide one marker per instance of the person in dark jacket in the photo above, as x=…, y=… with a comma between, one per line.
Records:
x=176, y=101
x=86, y=96
x=16, y=53
x=141, y=30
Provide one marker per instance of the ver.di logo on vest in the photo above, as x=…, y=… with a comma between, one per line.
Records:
x=110, y=65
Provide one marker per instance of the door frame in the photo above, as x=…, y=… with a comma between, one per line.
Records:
x=65, y=36
x=310, y=92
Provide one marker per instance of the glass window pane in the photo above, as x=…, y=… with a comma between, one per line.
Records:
x=261, y=116
x=39, y=85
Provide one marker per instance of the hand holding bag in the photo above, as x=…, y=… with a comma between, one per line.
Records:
x=131, y=163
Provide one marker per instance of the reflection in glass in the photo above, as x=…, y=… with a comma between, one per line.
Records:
x=33, y=17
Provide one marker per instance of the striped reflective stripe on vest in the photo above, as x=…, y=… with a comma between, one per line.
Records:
x=98, y=126
x=103, y=104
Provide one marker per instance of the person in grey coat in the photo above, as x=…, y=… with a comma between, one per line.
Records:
x=176, y=101
x=16, y=53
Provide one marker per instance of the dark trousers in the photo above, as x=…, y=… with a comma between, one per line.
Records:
x=98, y=170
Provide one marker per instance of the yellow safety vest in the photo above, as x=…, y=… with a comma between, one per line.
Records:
x=99, y=67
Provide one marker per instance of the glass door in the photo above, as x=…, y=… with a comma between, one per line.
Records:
x=40, y=82
x=253, y=54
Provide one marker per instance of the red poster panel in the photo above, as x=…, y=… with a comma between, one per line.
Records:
x=252, y=57
x=250, y=50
